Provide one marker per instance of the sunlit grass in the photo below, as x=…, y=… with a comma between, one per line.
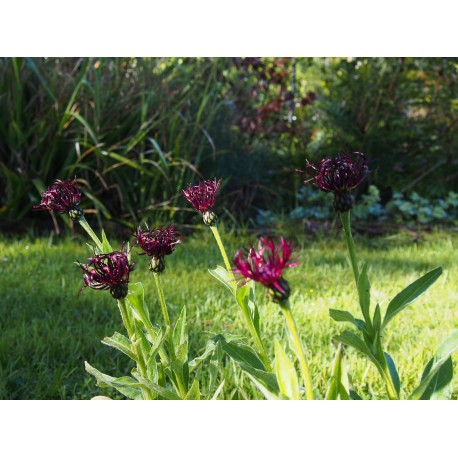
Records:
x=48, y=330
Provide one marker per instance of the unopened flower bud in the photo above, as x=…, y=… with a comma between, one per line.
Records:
x=209, y=218
x=343, y=202
x=119, y=291
x=75, y=213
x=278, y=296
x=157, y=264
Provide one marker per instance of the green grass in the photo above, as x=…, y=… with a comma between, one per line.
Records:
x=47, y=330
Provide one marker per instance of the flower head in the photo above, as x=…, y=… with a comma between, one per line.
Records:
x=202, y=198
x=109, y=271
x=62, y=197
x=339, y=176
x=266, y=266
x=157, y=243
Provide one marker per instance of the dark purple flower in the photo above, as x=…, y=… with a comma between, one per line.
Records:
x=62, y=197
x=339, y=176
x=266, y=266
x=202, y=198
x=157, y=243
x=109, y=271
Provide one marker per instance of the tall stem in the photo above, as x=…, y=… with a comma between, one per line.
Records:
x=165, y=312
x=215, y=231
x=249, y=321
x=179, y=380
x=345, y=217
x=88, y=229
x=127, y=320
x=299, y=349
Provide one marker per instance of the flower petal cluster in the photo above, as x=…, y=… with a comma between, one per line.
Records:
x=61, y=197
x=157, y=243
x=202, y=196
x=108, y=271
x=266, y=264
x=340, y=175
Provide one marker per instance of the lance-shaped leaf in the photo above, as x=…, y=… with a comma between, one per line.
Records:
x=438, y=374
x=409, y=294
x=125, y=385
x=364, y=293
x=121, y=343
x=222, y=275
x=338, y=385
x=286, y=373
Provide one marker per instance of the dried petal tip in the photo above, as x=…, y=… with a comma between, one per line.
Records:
x=266, y=266
x=109, y=272
x=339, y=176
x=62, y=197
x=202, y=196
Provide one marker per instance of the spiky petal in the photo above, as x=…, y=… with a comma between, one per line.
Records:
x=157, y=243
x=202, y=195
x=340, y=175
x=62, y=197
x=108, y=271
x=266, y=264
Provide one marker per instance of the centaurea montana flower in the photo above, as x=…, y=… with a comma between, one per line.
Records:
x=157, y=243
x=266, y=264
x=109, y=271
x=62, y=197
x=339, y=176
x=202, y=198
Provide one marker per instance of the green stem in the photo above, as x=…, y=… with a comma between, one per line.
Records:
x=299, y=349
x=127, y=320
x=88, y=229
x=165, y=312
x=384, y=371
x=345, y=217
x=249, y=321
x=180, y=382
x=215, y=231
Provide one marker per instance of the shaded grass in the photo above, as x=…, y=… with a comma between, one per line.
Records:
x=47, y=330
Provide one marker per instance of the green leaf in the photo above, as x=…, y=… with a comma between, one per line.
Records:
x=377, y=321
x=125, y=385
x=364, y=293
x=218, y=391
x=243, y=354
x=409, y=294
x=136, y=298
x=341, y=315
x=246, y=299
x=160, y=390
x=394, y=373
x=432, y=387
x=121, y=343
x=268, y=394
x=440, y=387
x=222, y=275
x=286, y=373
x=105, y=243
x=354, y=396
x=180, y=336
x=194, y=392
x=338, y=384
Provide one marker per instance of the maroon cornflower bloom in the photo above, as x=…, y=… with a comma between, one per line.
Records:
x=157, y=243
x=266, y=266
x=109, y=271
x=62, y=197
x=339, y=176
x=202, y=198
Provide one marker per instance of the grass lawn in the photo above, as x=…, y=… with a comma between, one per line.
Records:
x=48, y=330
